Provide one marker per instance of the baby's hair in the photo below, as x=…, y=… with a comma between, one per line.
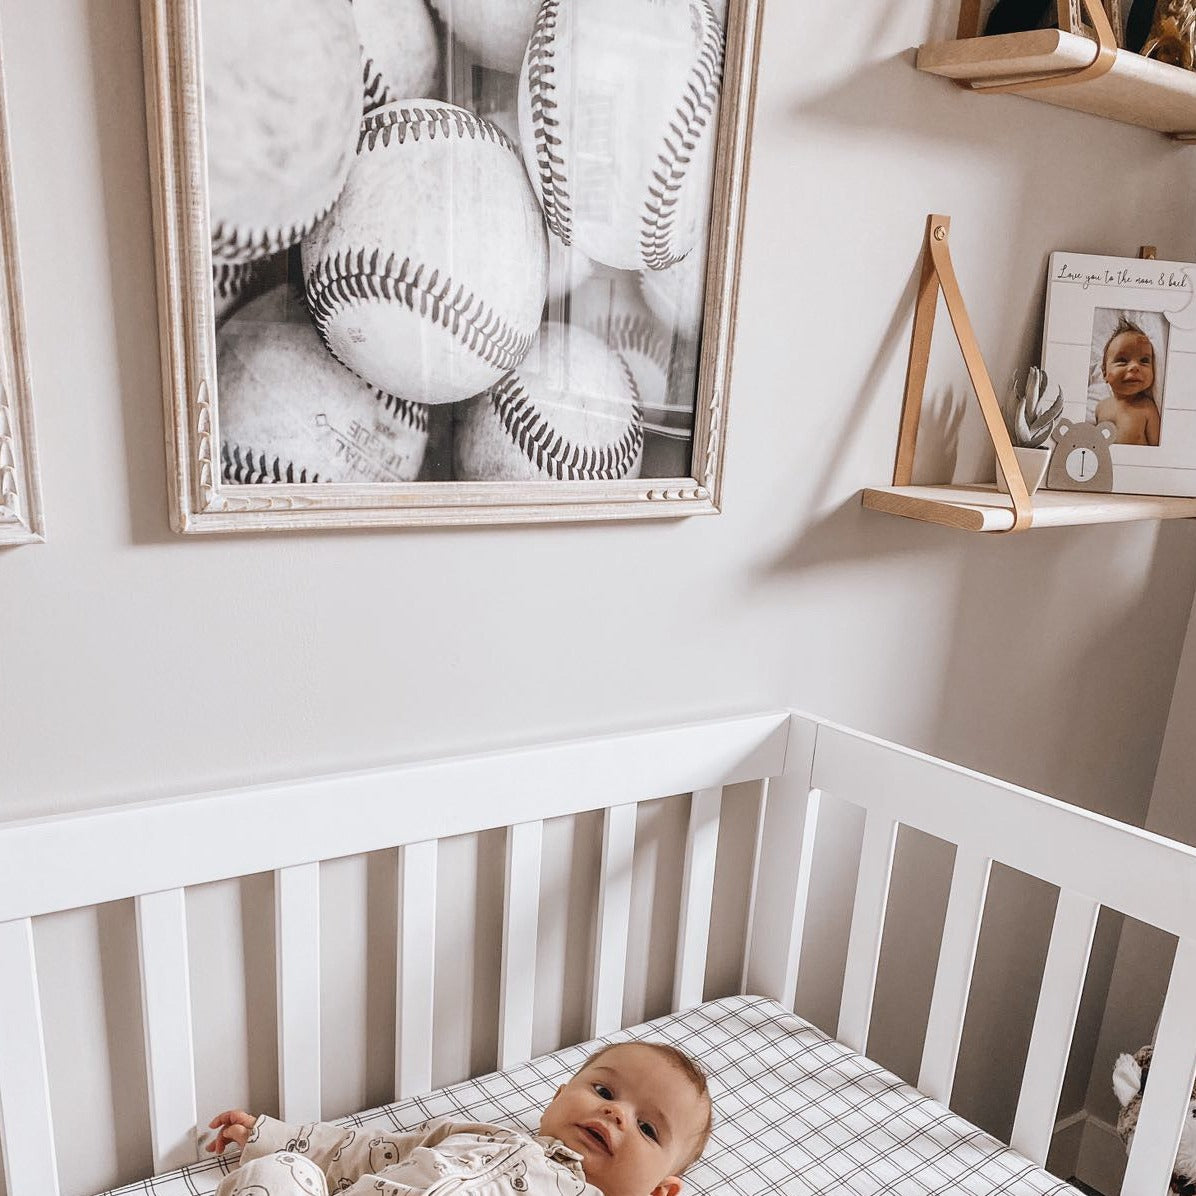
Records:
x=692, y=1071
x=1125, y=324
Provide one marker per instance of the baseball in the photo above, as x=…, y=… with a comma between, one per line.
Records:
x=618, y=105
x=428, y=277
x=569, y=413
x=611, y=309
x=495, y=31
x=400, y=55
x=677, y=295
x=289, y=413
x=282, y=101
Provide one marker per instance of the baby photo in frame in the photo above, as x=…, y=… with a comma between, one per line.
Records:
x=1120, y=340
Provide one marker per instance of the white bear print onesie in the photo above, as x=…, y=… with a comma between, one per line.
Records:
x=441, y=1157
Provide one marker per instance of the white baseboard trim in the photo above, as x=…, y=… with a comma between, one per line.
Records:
x=1064, y=1155
x=1099, y=1159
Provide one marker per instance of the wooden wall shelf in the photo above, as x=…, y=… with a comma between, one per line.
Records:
x=983, y=509
x=1135, y=90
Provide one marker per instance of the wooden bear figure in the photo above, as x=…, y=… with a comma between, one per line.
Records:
x=1081, y=460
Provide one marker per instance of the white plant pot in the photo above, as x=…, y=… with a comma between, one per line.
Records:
x=1033, y=464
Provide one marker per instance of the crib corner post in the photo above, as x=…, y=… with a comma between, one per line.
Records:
x=780, y=887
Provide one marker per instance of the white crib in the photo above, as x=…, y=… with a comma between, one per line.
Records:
x=70, y=861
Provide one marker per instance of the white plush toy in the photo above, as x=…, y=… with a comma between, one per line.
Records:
x=1129, y=1082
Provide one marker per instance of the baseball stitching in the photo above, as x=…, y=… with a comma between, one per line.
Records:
x=245, y=468
x=405, y=411
x=237, y=244
x=698, y=100
x=396, y=124
x=374, y=91
x=554, y=191
x=357, y=277
x=549, y=451
x=638, y=336
x=230, y=278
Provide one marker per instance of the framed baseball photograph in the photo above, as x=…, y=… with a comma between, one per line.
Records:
x=20, y=491
x=444, y=261
x=1120, y=340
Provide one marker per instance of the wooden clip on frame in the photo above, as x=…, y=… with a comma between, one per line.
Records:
x=938, y=274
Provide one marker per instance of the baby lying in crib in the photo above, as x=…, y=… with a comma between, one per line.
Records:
x=627, y=1124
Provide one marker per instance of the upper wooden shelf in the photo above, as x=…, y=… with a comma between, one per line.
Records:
x=983, y=509
x=1136, y=91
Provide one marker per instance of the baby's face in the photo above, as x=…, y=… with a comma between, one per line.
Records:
x=634, y=1116
x=1129, y=364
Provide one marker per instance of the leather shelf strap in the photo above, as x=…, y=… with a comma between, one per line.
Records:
x=938, y=273
x=1101, y=64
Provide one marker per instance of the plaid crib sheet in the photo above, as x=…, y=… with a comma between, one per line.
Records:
x=796, y=1114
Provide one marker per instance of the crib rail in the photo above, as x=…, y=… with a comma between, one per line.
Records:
x=287, y=829
x=1093, y=860
x=801, y=762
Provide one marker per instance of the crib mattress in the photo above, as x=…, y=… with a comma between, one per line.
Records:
x=795, y=1113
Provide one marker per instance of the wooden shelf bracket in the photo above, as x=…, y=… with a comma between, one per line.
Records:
x=1069, y=21
x=938, y=274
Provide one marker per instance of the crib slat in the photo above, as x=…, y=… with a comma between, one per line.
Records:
x=953, y=978
x=521, y=915
x=867, y=926
x=697, y=897
x=781, y=884
x=614, y=919
x=166, y=1013
x=750, y=807
x=1172, y=1070
x=1054, y=1024
x=417, y=969
x=297, y=944
x=30, y=1166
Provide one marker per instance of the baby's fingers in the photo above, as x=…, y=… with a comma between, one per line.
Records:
x=233, y=1125
x=238, y=1134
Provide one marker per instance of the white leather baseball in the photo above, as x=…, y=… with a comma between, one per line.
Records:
x=282, y=101
x=663, y=365
x=495, y=31
x=399, y=50
x=618, y=105
x=677, y=295
x=609, y=306
x=289, y=413
x=428, y=276
x=569, y=413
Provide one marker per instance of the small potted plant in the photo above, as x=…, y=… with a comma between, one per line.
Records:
x=1031, y=421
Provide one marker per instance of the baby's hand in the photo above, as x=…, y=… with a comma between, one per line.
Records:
x=234, y=1126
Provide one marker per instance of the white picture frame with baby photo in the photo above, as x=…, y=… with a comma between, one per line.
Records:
x=1119, y=339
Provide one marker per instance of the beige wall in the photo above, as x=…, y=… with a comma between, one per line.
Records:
x=136, y=663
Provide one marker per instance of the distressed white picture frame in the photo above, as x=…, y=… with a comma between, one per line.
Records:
x=1082, y=289
x=21, y=520
x=202, y=502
